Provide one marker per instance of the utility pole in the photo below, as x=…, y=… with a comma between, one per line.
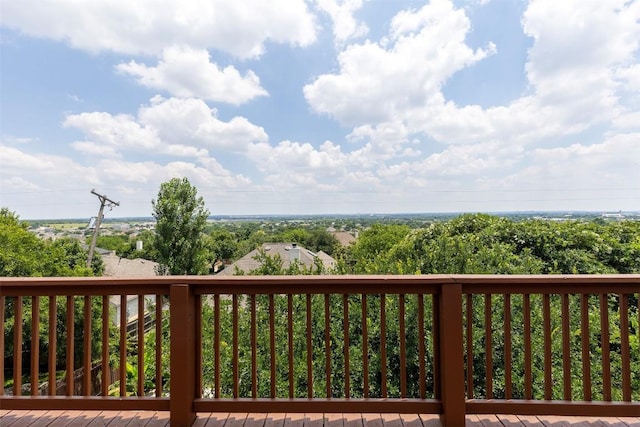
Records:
x=104, y=201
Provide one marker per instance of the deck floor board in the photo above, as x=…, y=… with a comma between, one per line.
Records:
x=34, y=418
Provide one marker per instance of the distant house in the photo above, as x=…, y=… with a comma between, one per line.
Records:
x=288, y=253
x=115, y=266
x=344, y=237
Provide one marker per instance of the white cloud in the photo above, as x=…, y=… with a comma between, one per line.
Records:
x=181, y=120
x=14, y=140
x=379, y=82
x=630, y=76
x=613, y=163
x=13, y=159
x=240, y=28
x=182, y=127
x=345, y=26
x=59, y=186
x=293, y=158
x=186, y=72
x=94, y=149
x=581, y=69
x=578, y=46
x=18, y=183
x=119, y=131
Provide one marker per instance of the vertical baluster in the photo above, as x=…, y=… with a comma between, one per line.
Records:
x=421, y=346
x=158, y=349
x=272, y=345
x=469, y=315
x=235, y=346
x=86, y=348
x=70, y=344
x=383, y=345
x=526, y=308
x=586, y=353
x=403, y=349
x=104, y=360
x=140, y=324
x=604, y=339
x=365, y=347
x=309, y=350
x=198, y=325
x=327, y=344
x=435, y=328
x=35, y=345
x=345, y=308
x=624, y=344
x=216, y=344
x=52, y=347
x=2, y=299
x=254, y=345
x=290, y=341
x=488, y=350
x=17, y=348
x=123, y=345
x=547, y=346
x=507, y=347
x=566, y=349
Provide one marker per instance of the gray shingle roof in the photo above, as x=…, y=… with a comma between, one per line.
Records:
x=287, y=252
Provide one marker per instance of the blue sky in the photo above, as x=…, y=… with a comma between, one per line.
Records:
x=320, y=106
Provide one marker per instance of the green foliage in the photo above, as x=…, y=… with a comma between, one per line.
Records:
x=316, y=330
x=371, y=252
x=148, y=250
x=180, y=221
x=22, y=254
x=274, y=266
x=484, y=244
x=222, y=244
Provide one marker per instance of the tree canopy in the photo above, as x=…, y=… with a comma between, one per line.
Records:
x=181, y=217
x=22, y=254
x=485, y=244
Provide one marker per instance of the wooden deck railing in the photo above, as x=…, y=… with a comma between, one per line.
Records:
x=453, y=345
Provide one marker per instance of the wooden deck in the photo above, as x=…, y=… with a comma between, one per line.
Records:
x=161, y=419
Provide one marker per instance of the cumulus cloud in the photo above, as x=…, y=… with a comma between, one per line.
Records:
x=147, y=27
x=186, y=72
x=180, y=120
x=120, y=130
x=95, y=149
x=345, y=25
x=581, y=69
x=179, y=127
x=381, y=81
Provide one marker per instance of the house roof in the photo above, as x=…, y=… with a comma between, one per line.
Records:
x=114, y=266
x=344, y=237
x=287, y=252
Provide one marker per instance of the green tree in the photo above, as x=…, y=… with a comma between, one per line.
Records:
x=22, y=254
x=181, y=217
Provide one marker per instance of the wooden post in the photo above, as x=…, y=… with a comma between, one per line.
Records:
x=451, y=355
x=183, y=355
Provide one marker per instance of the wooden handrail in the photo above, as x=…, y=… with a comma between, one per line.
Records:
x=449, y=344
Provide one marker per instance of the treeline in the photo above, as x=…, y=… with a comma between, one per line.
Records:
x=468, y=244
x=228, y=242
x=485, y=244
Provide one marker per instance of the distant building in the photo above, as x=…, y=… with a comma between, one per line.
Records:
x=344, y=237
x=114, y=266
x=288, y=253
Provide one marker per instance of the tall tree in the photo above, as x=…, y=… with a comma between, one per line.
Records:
x=180, y=221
